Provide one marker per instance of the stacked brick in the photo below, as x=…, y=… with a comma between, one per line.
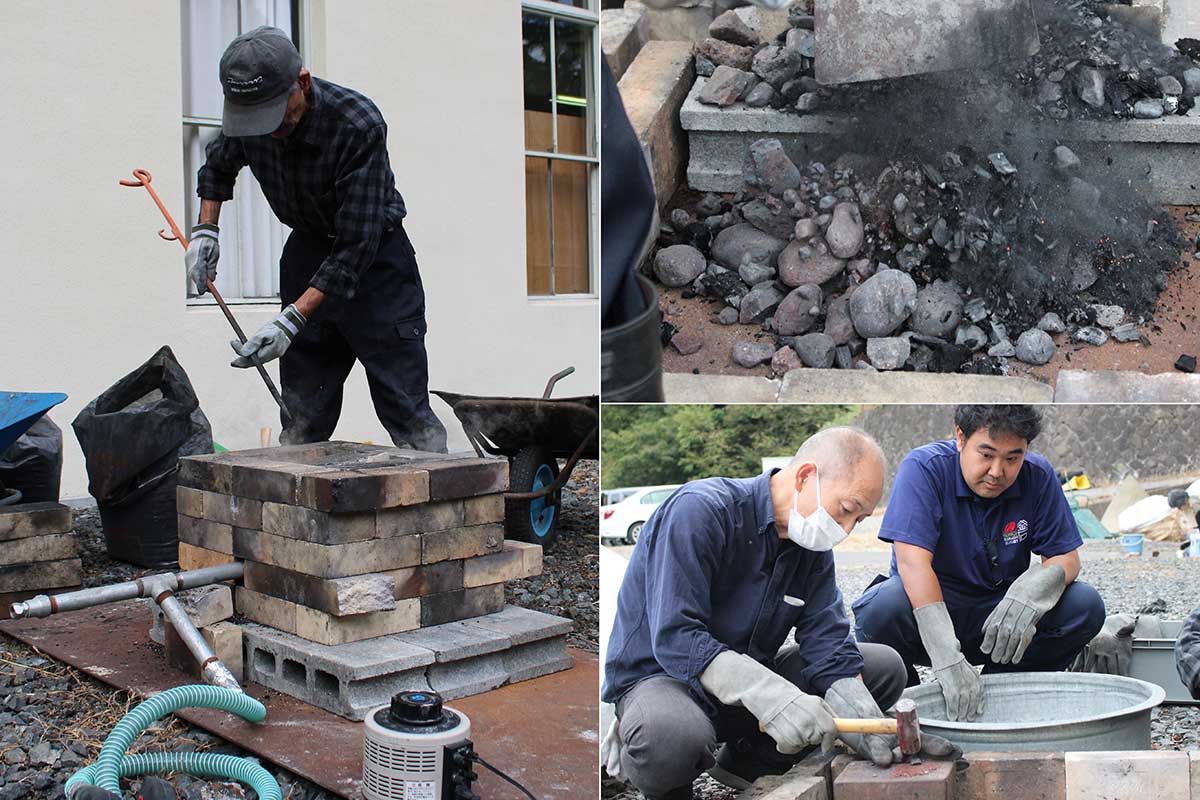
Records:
x=345, y=542
x=38, y=552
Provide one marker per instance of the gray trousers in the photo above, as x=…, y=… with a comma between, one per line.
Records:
x=668, y=740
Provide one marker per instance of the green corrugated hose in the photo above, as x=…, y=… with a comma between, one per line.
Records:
x=112, y=764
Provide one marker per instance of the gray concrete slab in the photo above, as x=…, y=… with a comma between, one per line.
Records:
x=684, y=387
x=865, y=386
x=1111, y=386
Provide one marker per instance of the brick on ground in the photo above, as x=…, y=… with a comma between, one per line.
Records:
x=433, y=516
x=205, y=605
x=444, y=576
x=1002, y=776
x=193, y=557
x=204, y=533
x=51, y=547
x=461, y=604
x=862, y=780
x=339, y=597
x=327, y=561
x=483, y=509
x=33, y=519
x=40, y=576
x=240, y=512
x=517, y=560
x=224, y=638
x=462, y=543
x=317, y=626
x=321, y=527
x=1158, y=774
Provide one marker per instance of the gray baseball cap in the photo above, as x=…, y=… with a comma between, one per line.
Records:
x=257, y=72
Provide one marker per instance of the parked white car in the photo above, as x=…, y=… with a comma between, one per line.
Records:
x=623, y=521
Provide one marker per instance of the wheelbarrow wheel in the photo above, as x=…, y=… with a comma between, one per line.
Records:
x=535, y=521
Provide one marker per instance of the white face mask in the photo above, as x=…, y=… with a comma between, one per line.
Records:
x=818, y=531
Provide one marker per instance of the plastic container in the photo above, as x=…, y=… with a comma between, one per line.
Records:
x=1133, y=543
x=1154, y=662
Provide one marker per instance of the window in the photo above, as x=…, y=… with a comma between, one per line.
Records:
x=656, y=497
x=560, y=50
x=251, y=237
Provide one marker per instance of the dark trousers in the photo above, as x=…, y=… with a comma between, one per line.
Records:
x=884, y=615
x=383, y=327
x=667, y=738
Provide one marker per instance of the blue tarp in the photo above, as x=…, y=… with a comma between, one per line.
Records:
x=19, y=410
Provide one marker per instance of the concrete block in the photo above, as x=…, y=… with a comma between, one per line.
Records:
x=465, y=678
x=535, y=659
x=520, y=625
x=858, y=386
x=653, y=90
x=862, y=780
x=51, y=547
x=517, y=560
x=317, y=626
x=240, y=512
x=407, y=520
x=204, y=533
x=1099, y=775
x=456, y=641
x=1002, y=776
x=33, y=519
x=444, y=576
x=683, y=21
x=684, y=387
x=461, y=604
x=1114, y=386
x=193, y=557
x=189, y=501
x=339, y=597
x=479, y=540
x=623, y=32
x=1194, y=767
x=483, y=509
x=40, y=576
x=327, y=561
x=467, y=477
x=298, y=522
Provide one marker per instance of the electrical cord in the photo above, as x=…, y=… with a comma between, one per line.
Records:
x=475, y=757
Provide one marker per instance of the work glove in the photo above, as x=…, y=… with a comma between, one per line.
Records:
x=961, y=685
x=271, y=340
x=1010, y=627
x=85, y=791
x=849, y=698
x=1111, y=651
x=795, y=720
x=154, y=788
x=610, y=750
x=201, y=256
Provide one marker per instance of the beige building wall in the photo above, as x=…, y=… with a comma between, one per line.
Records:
x=89, y=291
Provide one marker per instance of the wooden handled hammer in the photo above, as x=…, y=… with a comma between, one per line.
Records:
x=905, y=727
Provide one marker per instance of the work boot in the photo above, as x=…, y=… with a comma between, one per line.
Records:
x=743, y=761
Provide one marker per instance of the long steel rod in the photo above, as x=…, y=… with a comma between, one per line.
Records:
x=212, y=671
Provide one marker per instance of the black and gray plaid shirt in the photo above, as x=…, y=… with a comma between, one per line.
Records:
x=330, y=177
x=1187, y=654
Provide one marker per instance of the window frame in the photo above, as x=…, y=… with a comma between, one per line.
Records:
x=590, y=18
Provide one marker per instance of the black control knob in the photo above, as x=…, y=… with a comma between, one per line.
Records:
x=417, y=708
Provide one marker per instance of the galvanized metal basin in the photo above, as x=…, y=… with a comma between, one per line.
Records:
x=1047, y=711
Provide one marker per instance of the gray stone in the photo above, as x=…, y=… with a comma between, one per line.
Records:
x=845, y=232
x=1148, y=108
x=751, y=354
x=1108, y=316
x=1191, y=82
x=1002, y=349
x=911, y=256
x=680, y=219
x=704, y=67
x=43, y=755
x=1001, y=164
x=816, y=350
x=1065, y=160
x=975, y=310
x=798, y=310
x=728, y=316
x=1084, y=197
x=709, y=204
x=1051, y=323
x=843, y=358
x=777, y=65
x=882, y=303
x=1049, y=92
x=754, y=274
x=937, y=310
x=1034, y=346
x=971, y=336
x=1090, y=85
x=769, y=217
x=1170, y=86
x=768, y=167
x=734, y=244
x=805, y=229
x=888, y=353
x=802, y=263
x=761, y=95
x=759, y=303
x=729, y=27
x=1126, y=332
x=1089, y=334
x=678, y=265
x=784, y=361
x=725, y=86
x=838, y=324
x=725, y=54
x=1083, y=271
x=809, y=101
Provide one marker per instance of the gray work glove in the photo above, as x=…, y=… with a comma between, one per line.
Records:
x=201, y=256
x=1010, y=627
x=1111, y=651
x=610, y=749
x=795, y=720
x=849, y=698
x=961, y=685
x=271, y=340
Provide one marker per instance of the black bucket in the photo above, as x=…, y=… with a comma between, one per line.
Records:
x=631, y=355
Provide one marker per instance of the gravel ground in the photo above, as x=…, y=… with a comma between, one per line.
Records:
x=54, y=718
x=1126, y=584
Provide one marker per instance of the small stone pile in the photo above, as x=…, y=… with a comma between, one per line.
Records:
x=904, y=264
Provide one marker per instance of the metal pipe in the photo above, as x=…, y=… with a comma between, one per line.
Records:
x=44, y=606
x=563, y=475
x=212, y=671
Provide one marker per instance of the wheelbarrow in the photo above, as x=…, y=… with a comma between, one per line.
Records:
x=18, y=412
x=533, y=434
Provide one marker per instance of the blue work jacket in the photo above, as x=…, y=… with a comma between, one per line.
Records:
x=710, y=573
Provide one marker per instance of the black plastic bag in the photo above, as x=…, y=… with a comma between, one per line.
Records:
x=132, y=436
x=33, y=464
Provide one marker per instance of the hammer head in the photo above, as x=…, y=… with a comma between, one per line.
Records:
x=908, y=727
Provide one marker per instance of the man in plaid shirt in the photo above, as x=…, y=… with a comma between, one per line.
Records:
x=348, y=274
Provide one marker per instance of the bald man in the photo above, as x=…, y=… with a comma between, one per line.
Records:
x=724, y=572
